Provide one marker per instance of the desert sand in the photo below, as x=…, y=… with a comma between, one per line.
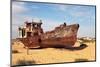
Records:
x=51, y=55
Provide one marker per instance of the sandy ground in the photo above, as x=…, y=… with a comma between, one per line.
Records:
x=52, y=55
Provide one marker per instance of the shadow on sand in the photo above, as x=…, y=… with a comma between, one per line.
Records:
x=82, y=46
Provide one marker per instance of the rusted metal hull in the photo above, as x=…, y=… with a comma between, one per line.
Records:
x=59, y=42
x=46, y=41
x=33, y=42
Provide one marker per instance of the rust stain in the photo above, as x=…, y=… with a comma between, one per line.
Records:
x=33, y=36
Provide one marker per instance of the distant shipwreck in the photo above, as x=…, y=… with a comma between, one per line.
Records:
x=33, y=36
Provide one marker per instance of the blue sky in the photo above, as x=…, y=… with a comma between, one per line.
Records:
x=53, y=15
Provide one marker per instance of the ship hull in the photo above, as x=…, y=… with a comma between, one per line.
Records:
x=62, y=42
x=63, y=38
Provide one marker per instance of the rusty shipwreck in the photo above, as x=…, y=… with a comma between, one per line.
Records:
x=33, y=36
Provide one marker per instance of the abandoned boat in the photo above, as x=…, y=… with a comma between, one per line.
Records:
x=33, y=36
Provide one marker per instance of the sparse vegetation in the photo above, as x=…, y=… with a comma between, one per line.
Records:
x=81, y=60
x=86, y=40
x=15, y=51
x=25, y=62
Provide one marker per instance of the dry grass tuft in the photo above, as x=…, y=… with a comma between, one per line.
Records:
x=81, y=60
x=15, y=51
x=25, y=62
